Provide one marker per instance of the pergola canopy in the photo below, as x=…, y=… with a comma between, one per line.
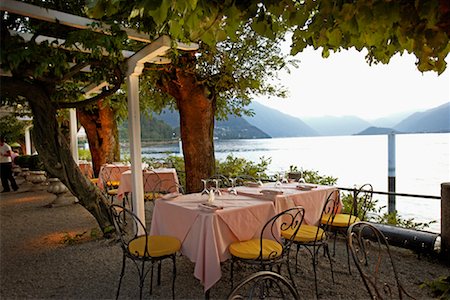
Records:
x=153, y=52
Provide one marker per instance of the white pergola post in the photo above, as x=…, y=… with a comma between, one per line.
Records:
x=27, y=140
x=135, y=66
x=73, y=133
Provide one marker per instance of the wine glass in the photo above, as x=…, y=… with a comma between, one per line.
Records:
x=217, y=189
x=278, y=182
x=260, y=183
x=205, y=188
x=232, y=190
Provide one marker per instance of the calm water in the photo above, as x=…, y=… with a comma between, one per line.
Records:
x=422, y=163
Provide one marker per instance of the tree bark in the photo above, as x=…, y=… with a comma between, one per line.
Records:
x=102, y=134
x=196, y=127
x=55, y=152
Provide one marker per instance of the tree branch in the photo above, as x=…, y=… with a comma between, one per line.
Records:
x=95, y=99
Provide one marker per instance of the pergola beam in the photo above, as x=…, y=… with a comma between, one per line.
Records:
x=54, y=16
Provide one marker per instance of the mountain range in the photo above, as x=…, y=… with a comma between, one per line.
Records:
x=267, y=122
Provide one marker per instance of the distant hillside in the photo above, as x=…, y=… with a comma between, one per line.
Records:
x=151, y=130
x=391, y=120
x=377, y=130
x=330, y=125
x=433, y=120
x=238, y=128
x=233, y=128
x=276, y=123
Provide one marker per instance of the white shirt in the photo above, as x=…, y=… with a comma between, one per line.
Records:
x=3, y=150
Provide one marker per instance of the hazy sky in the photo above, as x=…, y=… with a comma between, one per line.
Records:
x=344, y=84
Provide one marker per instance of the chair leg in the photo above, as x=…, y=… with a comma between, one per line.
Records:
x=334, y=243
x=159, y=273
x=174, y=275
x=122, y=272
x=348, y=259
x=329, y=259
x=231, y=271
x=141, y=279
x=296, y=258
x=151, y=280
x=315, y=273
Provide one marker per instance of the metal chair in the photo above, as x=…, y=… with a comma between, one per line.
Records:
x=111, y=181
x=338, y=223
x=313, y=238
x=155, y=189
x=264, y=284
x=270, y=249
x=138, y=246
x=371, y=254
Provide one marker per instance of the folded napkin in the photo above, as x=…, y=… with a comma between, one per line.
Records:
x=306, y=187
x=209, y=207
x=271, y=192
x=170, y=196
x=251, y=184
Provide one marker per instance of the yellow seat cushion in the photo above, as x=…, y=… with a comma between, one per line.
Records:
x=340, y=220
x=152, y=196
x=94, y=180
x=250, y=249
x=113, y=183
x=113, y=192
x=157, y=245
x=306, y=233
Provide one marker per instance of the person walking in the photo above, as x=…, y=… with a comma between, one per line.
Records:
x=6, y=167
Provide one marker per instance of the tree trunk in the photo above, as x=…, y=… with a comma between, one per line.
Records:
x=102, y=134
x=196, y=128
x=55, y=153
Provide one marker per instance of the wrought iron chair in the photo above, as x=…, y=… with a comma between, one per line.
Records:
x=111, y=181
x=313, y=238
x=270, y=249
x=338, y=223
x=371, y=254
x=264, y=284
x=138, y=246
x=160, y=187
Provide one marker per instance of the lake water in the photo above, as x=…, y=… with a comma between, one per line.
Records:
x=422, y=163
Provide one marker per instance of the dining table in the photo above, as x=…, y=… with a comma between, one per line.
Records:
x=155, y=180
x=286, y=195
x=205, y=234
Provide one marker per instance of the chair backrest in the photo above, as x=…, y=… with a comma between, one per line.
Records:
x=362, y=201
x=371, y=254
x=264, y=284
x=242, y=180
x=290, y=219
x=222, y=179
x=111, y=176
x=329, y=210
x=127, y=226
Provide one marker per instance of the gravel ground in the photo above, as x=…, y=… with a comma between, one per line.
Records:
x=40, y=259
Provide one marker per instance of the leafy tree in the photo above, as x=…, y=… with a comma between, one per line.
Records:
x=46, y=77
x=237, y=53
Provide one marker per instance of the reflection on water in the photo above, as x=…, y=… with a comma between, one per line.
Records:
x=422, y=163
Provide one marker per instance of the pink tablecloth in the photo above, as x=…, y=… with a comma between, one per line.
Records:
x=312, y=200
x=163, y=178
x=205, y=236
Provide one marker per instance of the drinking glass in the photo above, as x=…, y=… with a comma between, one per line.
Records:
x=232, y=190
x=205, y=188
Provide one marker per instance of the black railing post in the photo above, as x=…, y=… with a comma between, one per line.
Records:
x=445, y=221
x=391, y=172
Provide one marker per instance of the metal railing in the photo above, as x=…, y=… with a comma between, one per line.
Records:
x=394, y=194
